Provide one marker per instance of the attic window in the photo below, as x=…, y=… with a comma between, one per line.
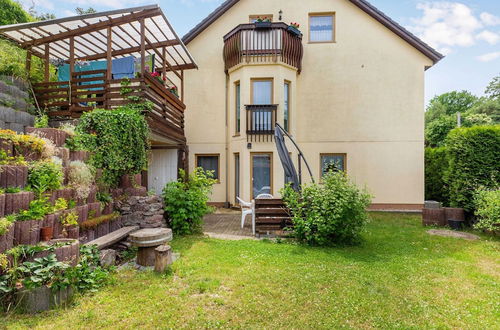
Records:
x=321, y=27
x=254, y=18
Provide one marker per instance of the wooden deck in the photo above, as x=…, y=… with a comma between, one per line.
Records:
x=227, y=224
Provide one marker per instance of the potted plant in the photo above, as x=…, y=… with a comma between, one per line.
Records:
x=293, y=28
x=158, y=77
x=263, y=23
x=174, y=91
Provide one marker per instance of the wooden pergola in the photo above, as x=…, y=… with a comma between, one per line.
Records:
x=139, y=32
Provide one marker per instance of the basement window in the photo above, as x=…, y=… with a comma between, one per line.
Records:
x=209, y=162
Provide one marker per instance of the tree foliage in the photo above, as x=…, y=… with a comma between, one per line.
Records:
x=449, y=103
x=11, y=12
x=474, y=162
x=436, y=166
x=493, y=89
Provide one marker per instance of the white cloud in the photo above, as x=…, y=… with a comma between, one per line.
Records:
x=490, y=37
x=489, y=57
x=489, y=19
x=445, y=25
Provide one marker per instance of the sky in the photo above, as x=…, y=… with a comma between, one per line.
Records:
x=467, y=32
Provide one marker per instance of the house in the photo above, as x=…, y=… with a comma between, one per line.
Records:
x=93, y=53
x=349, y=88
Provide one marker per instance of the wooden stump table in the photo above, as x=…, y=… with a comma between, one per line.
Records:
x=147, y=240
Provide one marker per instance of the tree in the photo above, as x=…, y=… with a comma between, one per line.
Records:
x=493, y=89
x=449, y=103
x=81, y=11
x=12, y=13
x=489, y=107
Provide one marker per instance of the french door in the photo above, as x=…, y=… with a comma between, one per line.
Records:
x=261, y=173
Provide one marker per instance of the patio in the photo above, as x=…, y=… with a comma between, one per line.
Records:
x=225, y=224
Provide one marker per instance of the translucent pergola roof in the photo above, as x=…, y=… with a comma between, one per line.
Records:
x=89, y=34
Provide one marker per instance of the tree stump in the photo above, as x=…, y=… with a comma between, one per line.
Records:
x=163, y=258
x=147, y=240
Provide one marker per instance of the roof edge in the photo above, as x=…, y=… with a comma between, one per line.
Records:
x=364, y=5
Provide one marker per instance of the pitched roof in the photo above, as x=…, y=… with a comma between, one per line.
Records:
x=364, y=5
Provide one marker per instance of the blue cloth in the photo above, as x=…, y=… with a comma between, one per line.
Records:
x=123, y=68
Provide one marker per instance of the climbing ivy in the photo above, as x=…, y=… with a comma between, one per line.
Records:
x=117, y=139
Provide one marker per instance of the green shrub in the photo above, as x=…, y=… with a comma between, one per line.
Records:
x=186, y=201
x=436, y=165
x=5, y=224
x=487, y=204
x=44, y=176
x=437, y=130
x=11, y=12
x=474, y=162
x=118, y=140
x=333, y=212
x=37, y=210
x=42, y=121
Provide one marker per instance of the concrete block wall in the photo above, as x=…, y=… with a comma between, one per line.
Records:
x=15, y=105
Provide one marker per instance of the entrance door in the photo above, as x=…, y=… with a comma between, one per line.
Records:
x=162, y=169
x=261, y=174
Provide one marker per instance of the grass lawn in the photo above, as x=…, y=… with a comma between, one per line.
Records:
x=400, y=277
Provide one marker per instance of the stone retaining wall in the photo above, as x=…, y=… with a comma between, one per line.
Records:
x=143, y=211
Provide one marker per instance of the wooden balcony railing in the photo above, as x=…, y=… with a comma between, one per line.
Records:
x=64, y=100
x=246, y=44
x=261, y=120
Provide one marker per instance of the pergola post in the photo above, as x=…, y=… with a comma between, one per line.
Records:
x=143, y=46
x=28, y=63
x=164, y=63
x=182, y=85
x=109, y=62
x=46, y=76
x=71, y=69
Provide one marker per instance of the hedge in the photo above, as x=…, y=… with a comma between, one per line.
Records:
x=436, y=166
x=474, y=162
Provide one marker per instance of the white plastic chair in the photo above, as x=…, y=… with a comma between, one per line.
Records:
x=246, y=209
x=265, y=196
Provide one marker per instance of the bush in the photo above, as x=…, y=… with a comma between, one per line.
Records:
x=487, y=204
x=436, y=165
x=80, y=178
x=44, y=176
x=118, y=140
x=333, y=212
x=474, y=162
x=186, y=201
x=436, y=131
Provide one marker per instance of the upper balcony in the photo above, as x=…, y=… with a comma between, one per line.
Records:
x=269, y=43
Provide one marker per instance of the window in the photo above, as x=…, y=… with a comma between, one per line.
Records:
x=262, y=93
x=332, y=162
x=209, y=163
x=321, y=27
x=286, y=112
x=237, y=105
x=254, y=18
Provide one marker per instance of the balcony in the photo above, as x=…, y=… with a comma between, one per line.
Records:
x=248, y=44
x=261, y=119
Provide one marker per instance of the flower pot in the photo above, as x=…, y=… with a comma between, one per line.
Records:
x=455, y=224
x=263, y=25
x=46, y=233
x=293, y=30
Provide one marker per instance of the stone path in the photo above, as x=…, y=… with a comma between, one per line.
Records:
x=452, y=233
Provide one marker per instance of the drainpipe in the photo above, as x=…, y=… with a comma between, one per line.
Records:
x=226, y=107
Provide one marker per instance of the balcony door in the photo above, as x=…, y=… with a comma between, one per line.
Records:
x=261, y=173
x=262, y=94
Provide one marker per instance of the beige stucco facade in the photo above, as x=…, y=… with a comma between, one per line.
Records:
x=362, y=95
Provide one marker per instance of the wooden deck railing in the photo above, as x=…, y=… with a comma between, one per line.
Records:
x=246, y=44
x=64, y=100
x=261, y=119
